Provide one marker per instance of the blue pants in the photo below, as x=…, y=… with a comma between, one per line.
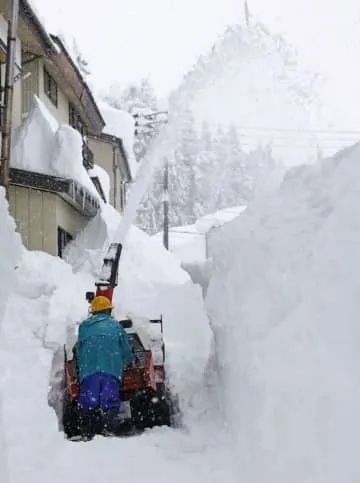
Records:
x=100, y=390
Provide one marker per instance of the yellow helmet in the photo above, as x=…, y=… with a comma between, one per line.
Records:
x=100, y=303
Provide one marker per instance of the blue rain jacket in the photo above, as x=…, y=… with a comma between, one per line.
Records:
x=103, y=346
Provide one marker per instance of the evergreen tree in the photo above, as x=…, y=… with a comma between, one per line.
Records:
x=135, y=99
x=237, y=191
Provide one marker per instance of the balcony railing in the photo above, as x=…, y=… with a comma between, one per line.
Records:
x=68, y=189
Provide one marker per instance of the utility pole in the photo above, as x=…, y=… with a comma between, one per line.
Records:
x=149, y=124
x=166, y=205
x=6, y=124
x=247, y=13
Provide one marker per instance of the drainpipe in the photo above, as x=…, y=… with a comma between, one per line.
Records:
x=114, y=177
x=8, y=96
x=166, y=205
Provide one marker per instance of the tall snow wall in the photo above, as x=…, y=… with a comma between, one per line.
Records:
x=10, y=251
x=285, y=307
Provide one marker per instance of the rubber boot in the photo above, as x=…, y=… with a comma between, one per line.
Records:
x=109, y=420
x=88, y=421
x=114, y=423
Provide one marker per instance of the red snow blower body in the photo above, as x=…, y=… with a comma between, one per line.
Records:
x=146, y=401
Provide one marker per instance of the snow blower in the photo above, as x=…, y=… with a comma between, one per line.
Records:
x=146, y=400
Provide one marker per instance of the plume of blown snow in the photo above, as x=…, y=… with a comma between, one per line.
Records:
x=258, y=85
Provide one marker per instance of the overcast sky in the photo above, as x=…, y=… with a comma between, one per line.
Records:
x=124, y=40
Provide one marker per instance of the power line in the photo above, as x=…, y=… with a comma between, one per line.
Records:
x=337, y=145
x=349, y=132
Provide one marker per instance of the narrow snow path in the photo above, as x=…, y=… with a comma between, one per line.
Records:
x=161, y=455
x=37, y=451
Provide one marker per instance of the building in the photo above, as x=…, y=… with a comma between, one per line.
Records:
x=113, y=151
x=110, y=154
x=50, y=211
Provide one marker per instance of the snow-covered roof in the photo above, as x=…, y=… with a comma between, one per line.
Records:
x=218, y=218
x=120, y=124
x=188, y=242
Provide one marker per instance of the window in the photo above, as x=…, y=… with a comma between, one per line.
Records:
x=75, y=120
x=63, y=238
x=29, y=85
x=50, y=87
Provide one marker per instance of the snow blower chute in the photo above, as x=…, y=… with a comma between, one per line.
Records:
x=145, y=399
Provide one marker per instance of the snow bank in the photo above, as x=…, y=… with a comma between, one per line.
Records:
x=66, y=159
x=10, y=252
x=47, y=297
x=121, y=124
x=284, y=303
x=44, y=146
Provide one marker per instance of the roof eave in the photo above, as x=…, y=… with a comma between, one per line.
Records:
x=96, y=116
x=31, y=19
x=109, y=138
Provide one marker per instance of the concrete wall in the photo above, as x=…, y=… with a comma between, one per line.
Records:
x=38, y=215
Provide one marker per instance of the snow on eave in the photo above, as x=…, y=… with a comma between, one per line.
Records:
x=119, y=142
x=29, y=15
x=100, y=122
x=121, y=125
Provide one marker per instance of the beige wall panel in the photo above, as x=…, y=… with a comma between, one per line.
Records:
x=68, y=218
x=22, y=213
x=49, y=223
x=38, y=214
x=36, y=230
x=12, y=201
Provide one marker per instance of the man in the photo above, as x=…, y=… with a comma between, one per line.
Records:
x=103, y=350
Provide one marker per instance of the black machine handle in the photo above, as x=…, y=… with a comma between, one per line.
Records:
x=160, y=321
